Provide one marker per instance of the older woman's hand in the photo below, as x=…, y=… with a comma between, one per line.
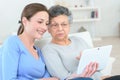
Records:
x=79, y=56
x=90, y=69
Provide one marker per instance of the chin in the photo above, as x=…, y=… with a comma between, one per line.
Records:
x=61, y=38
x=38, y=37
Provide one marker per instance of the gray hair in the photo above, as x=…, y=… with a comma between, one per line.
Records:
x=57, y=10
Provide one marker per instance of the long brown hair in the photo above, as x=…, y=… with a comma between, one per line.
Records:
x=29, y=11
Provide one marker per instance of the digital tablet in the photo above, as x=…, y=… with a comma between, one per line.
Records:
x=99, y=54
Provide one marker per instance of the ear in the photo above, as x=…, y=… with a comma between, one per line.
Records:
x=24, y=21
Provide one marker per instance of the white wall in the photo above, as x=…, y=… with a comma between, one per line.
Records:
x=10, y=12
x=110, y=17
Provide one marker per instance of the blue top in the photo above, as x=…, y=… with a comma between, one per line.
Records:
x=19, y=64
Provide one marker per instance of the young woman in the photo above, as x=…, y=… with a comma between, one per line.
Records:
x=21, y=60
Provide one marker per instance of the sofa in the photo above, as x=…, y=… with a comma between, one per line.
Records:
x=85, y=36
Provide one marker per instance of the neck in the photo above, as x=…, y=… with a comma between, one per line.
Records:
x=27, y=40
x=61, y=42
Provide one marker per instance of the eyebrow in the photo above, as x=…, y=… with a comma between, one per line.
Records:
x=42, y=19
x=61, y=22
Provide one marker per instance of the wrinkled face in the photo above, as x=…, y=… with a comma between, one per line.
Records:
x=37, y=25
x=59, y=27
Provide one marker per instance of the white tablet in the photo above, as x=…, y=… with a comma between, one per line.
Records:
x=99, y=54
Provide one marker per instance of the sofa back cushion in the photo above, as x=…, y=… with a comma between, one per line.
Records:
x=84, y=35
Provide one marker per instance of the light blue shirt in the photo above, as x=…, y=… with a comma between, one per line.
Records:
x=19, y=64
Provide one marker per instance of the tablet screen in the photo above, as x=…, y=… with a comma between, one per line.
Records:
x=99, y=54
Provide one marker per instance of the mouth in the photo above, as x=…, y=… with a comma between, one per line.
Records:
x=60, y=34
x=41, y=32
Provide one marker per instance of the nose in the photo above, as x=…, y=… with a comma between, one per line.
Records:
x=60, y=27
x=45, y=26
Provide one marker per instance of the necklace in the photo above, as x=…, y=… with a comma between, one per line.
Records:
x=34, y=53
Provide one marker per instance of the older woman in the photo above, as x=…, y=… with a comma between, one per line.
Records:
x=60, y=54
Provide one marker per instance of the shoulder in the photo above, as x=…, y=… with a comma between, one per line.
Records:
x=76, y=39
x=12, y=45
x=11, y=41
x=48, y=46
x=49, y=49
x=12, y=37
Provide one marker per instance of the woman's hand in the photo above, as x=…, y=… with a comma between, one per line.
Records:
x=90, y=69
x=78, y=57
x=52, y=78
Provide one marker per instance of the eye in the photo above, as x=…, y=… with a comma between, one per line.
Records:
x=40, y=22
x=53, y=25
x=64, y=24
